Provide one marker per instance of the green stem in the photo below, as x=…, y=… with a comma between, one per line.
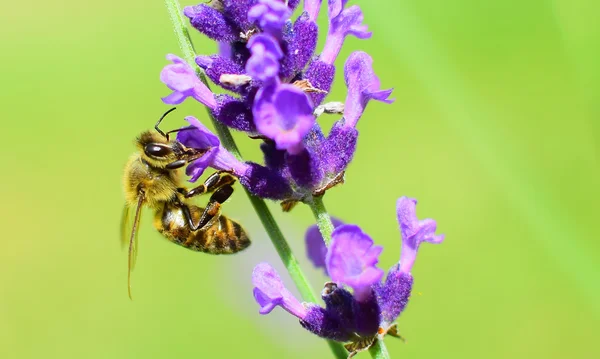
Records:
x=323, y=219
x=263, y=212
x=379, y=350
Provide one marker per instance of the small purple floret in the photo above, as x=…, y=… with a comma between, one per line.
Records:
x=270, y=292
x=413, y=232
x=312, y=8
x=284, y=114
x=181, y=78
x=352, y=260
x=200, y=137
x=346, y=22
x=270, y=16
x=264, y=62
x=363, y=86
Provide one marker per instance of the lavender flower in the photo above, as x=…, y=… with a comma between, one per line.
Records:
x=268, y=60
x=372, y=307
x=181, y=78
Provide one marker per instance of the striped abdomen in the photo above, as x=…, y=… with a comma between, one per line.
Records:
x=223, y=236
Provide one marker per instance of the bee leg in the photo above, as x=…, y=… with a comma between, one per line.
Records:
x=212, y=208
x=212, y=183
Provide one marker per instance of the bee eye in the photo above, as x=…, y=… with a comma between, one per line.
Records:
x=157, y=150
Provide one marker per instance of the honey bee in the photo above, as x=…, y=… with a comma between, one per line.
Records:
x=151, y=178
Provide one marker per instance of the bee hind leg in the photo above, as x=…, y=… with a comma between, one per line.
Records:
x=212, y=209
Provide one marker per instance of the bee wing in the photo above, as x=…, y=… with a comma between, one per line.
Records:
x=125, y=225
x=129, y=235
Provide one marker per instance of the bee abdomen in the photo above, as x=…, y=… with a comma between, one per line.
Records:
x=224, y=237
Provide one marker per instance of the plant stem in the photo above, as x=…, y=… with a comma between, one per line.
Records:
x=263, y=212
x=323, y=219
x=379, y=350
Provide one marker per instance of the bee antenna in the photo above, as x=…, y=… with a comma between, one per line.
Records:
x=160, y=120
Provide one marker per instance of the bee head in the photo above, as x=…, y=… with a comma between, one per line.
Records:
x=159, y=151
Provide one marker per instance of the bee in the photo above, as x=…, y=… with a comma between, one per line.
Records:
x=151, y=178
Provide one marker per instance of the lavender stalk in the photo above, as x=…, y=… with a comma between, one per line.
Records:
x=279, y=242
x=323, y=219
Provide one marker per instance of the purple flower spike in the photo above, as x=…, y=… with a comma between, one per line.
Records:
x=316, y=251
x=264, y=62
x=270, y=292
x=285, y=115
x=347, y=22
x=270, y=15
x=363, y=86
x=312, y=7
x=352, y=260
x=181, y=78
x=413, y=232
x=215, y=156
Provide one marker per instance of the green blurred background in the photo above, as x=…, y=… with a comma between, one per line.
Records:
x=495, y=131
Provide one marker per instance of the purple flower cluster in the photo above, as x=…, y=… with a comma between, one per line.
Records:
x=373, y=306
x=268, y=62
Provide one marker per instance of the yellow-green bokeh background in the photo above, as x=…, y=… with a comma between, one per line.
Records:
x=494, y=130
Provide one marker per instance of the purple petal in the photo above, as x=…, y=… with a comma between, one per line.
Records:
x=316, y=250
x=182, y=79
x=347, y=22
x=363, y=86
x=175, y=98
x=334, y=7
x=352, y=260
x=264, y=62
x=270, y=15
x=270, y=292
x=284, y=114
x=413, y=232
x=312, y=7
x=215, y=156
